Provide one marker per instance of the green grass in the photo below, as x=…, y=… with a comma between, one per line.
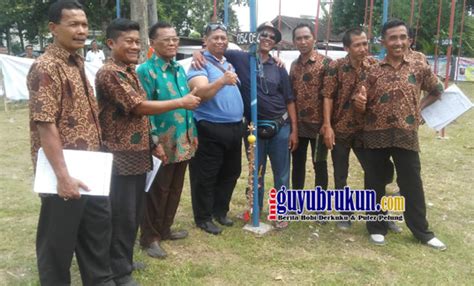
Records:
x=305, y=254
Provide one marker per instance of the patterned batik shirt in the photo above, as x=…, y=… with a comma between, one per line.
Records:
x=341, y=83
x=60, y=94
x=175, y=129
x=392, y=114
x=125, y=134
x=307, y=84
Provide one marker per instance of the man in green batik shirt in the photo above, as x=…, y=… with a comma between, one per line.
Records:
x=174, y=133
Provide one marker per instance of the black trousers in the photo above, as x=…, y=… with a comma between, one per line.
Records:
x=340, y=160
x=408, y=167
x=75, y=226
x=215, y=168
x=320, y=165
x=126, y=198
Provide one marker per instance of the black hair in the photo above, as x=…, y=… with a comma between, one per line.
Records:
x=155, y=27
x=56, y=9
x=392, y=24
x=347, y=37
x=117, y=26
x=303, y=25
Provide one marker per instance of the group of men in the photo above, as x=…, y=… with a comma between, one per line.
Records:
x=355, y=103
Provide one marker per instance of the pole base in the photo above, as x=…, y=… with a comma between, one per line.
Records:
x=261, y=229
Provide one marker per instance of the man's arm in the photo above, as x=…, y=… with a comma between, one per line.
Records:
x=207, y=90
x=293, y=140
x=68, y=187
x=433, y=86
x=328, y=91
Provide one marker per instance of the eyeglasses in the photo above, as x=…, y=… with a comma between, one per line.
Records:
x=211, y=27
x=267, y=35
x=169, y=40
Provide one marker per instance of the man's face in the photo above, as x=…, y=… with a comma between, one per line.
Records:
x=396, y=41
x=29, y=51
x=71, y=32
x=304, y=40
x=216, y=42
x=94, y=46
x=359, y=47
x=267, y=40
x=165, y=43
x=126, y=48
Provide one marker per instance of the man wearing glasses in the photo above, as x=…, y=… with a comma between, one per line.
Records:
x=174, y=133
x=217, y=163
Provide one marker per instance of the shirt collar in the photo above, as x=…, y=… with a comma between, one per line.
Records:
x=405, y=59
x=312, y=58
x=164, y=65
x=121, y=66
x=209, y=55
x=64, y=55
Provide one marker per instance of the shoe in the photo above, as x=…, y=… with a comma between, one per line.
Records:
x=126, y=280
x=180, y=234
x=344, y=224
x=393, y=226
x=209, y=227
x=279, y=225
x=224, y=220
x=377, y=239
x=436, y=244
x=138, y=266
x=154, y=250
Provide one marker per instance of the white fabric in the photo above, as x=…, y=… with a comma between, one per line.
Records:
x=95, y=56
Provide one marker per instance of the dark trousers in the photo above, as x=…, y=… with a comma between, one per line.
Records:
x=340, y=160
x=75, y=226
x=215, y=168
x=126, y=197
x=320, y=164
x=161, y=203
x=408, y=167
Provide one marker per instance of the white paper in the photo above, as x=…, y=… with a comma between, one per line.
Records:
x=93, y=168
x=151, y=175
x=452, y=104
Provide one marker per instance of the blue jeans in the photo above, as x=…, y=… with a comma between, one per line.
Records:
x=277, y=150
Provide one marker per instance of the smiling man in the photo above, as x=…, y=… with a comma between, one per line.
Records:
x=126, y=133
x=391, y=100
x=63, y=115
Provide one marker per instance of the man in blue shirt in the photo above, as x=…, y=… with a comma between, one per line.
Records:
x=217, y=163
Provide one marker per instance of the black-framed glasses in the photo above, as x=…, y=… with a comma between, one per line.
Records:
x=267, y=35
x=211, y=27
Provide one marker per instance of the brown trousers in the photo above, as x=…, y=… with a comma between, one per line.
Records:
x=161, y=203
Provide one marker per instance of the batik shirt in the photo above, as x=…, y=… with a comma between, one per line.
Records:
x=125, y=134
x=307, y=84
x=60, y=94
x=392, y=114
x=175, y=129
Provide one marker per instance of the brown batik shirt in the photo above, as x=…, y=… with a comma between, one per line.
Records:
x=341, y=82
x=125, y=134
x=60, y=94
x=307, y=83
x=392, y=114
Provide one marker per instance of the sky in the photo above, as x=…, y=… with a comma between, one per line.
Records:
x=268, y=10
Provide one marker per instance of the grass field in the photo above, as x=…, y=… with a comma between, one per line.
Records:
x=305, y=254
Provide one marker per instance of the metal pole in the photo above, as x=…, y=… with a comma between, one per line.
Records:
x=449, y=52
x=226, y=12
x=460, y=41
x=412, y=12
x=384, y=20
x=253, y=111
x=435, y=68
x=316, y=24
x=117, y=5
x=328, y=30
x=215, y=12
x=369, y=36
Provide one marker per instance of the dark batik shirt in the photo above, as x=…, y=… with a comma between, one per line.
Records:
x=307, y=84
x=60, y=94
x=393, y=115
x=341, y=83
x=125, y=134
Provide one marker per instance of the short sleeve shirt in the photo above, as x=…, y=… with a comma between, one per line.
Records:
x=125, y=134
x=60, y=94
x=307, y=83
x=392, y=114
x=175, y=129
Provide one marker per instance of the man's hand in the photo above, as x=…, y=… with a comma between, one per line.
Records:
x=293, y=141
x=199, y=61
x=159, y=152
x=329, y=137
x=190, y=101
x=230, y=77
x=68, y=188
x=279, y=62
x=360, y=99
